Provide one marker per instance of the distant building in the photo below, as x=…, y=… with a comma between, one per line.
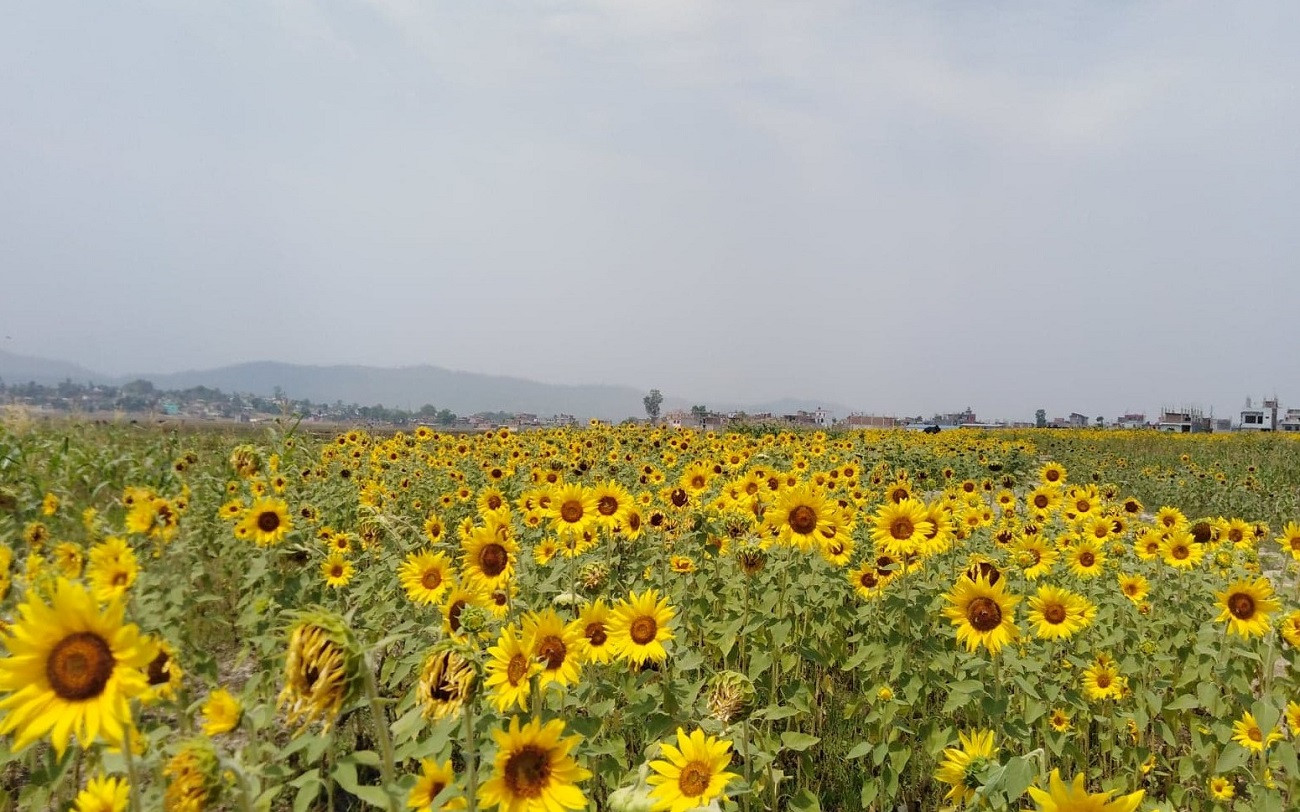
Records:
x=1290, y=423
x=871, y=421
x=1078, y=421
x=1264, y=419
x=1132, y=421
x=1183, y=421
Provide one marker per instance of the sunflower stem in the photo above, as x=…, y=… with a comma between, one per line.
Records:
x=134, y=795
x=380, y=721
x=471, y=760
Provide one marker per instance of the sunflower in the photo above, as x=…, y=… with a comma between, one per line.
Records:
x=68, y=559
x=1086, y=559
x=425, y=576
x=510, y=670
x=320, y=672
x=544, y=551
x=798, y=514
x=556, y=644
x=113, y=569
x=434, y=779
x=446, y=681
x=458, y=598
x=1289, y=539
x=1035, y=557
x=1102, y=680
x=1293, y=718
x=103, y=794
x=1058, y=614
x=838, y=549
x=594, y=621
x=866, y=581
x=1043, y=500
x=612, y=504
x=193, y=778
x=489, y=555
x=533, y=770
x=434, y=529
x=491, y=500
x=1170, y=518
x=639, y=628
x=70, y=669
x=901, y=527
x=1059, y=720
x=1075, y=798
x=1180, y=551
x=267, y=521
x=1135, y=587
x=1246, y=732
x=1290, y=628
x=692, y=774
x=983, y=613
x=573, y=509
x=1221, y=789
x=1053, y=473
x=1246, y=606
x=337, y=570
x=163, y=674
x=1149, y=544
x=961, y=766
x=221, y=712
x=681, y=564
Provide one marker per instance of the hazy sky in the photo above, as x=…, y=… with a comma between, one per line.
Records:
x=905, y=207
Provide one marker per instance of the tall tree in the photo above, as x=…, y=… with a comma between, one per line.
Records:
x=1040, y=418
x=652, y=402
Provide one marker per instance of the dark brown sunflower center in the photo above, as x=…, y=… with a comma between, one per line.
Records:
x=158, y=671
x=571, y=511
x=1087, y=559
x=527, y=772
x=1180, y=551
x=552, y=650
x=1054, y=613
x=492, y=559
x=595, y=634
x=679, y=497
x=268, y=521
x=694, y=779
x=119, y=578
x=803, y=519
x=901, y=528
x=984, y=614
x=79, y=666
x=493, y=502
x=643, y=630
x=453, y=615
x=868, y=579
x=607, y=506
x=634, y=522
x=431, y=579
x=1241, y=605
x=1083, y=505
x=517, y=668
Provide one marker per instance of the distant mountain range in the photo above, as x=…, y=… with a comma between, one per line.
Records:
x=397, y=387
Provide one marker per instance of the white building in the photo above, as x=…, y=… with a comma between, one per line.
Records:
x=1264, y=419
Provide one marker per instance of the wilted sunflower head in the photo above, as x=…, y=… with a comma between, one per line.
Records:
x=446, y=681
x=322, y=670
x=730, y=696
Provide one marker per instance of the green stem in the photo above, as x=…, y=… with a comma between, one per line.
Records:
x=471, y=760
x=380, y=720
x=131, y=775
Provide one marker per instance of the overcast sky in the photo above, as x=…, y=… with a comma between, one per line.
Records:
x=904, y=207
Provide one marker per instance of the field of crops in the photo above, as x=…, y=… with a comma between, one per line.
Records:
x=635, y=618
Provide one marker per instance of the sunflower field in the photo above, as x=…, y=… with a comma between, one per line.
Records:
x=636, y=618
